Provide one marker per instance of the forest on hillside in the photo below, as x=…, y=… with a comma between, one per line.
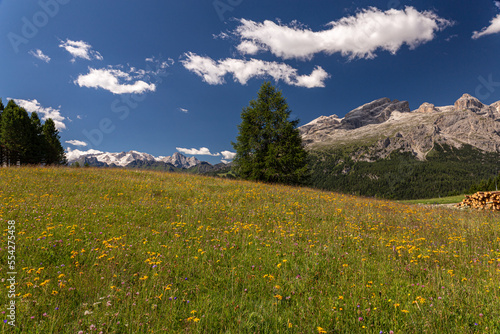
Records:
x=446, y=171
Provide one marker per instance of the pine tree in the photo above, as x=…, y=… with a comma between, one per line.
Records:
x=54, y=152
x=269, y=146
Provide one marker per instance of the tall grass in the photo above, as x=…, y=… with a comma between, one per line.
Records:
x=119, y=251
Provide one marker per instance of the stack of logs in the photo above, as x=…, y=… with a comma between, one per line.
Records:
x=482, y=201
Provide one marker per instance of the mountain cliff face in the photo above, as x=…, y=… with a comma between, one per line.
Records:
x=384, y=126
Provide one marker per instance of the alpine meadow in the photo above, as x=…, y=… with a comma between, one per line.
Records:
x=170, y=252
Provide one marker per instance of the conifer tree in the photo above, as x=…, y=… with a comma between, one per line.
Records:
x=54, y=152
x=269, y=146
x=38, y=145
x=15, y=132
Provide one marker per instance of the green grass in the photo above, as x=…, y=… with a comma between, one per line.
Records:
x=440, y=200
x=123, y=251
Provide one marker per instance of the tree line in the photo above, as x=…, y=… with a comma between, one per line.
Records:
x=25, y=140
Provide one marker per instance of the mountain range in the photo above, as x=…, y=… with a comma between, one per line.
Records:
x=386, y=126
x=383, y=148
x=135, y=159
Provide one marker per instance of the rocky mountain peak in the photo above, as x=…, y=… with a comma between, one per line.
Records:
x=468, y=102
x=181, y=161
x=375, y=112
x=427, y=108
x=320, y=123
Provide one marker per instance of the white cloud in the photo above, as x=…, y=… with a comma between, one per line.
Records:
x=116, y=81
x=194, y=151
x=248, y=47
x=34, y=106
x=40, y=55
x=76, y=142
x=79, y=117
x=357, y=36
x=228, y=155
x=225, y=161
x=213, y=72
x=493, y=28
x=73, y=155
x=497, y=3
x=184, y=110
x=161, y=63
x=451, y=37
x=80, y=49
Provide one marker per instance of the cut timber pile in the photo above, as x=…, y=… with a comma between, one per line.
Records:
x=482, y=201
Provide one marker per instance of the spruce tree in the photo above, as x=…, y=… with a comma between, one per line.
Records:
x=15, y=132
x=38, y=145
x=55, y=152
x=269, y=146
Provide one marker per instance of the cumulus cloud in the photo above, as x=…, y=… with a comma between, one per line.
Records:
x=76, y=142
x=115, y=80
x=73, y=155
x=119, y=80
x=40, y=55
x=194, y=151
x=358, y=36
x=213, y=72
x=493, y=28
x=49, y=112
x=228, y=155
x=80, y=49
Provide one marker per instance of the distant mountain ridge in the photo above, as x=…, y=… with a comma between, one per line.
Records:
x=131, y=159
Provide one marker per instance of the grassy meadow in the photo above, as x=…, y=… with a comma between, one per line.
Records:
x=439, y=200
x=121, y=251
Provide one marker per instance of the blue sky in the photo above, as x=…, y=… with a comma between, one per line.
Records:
x=166, y=76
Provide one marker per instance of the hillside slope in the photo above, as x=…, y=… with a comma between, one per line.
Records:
x=134, y=251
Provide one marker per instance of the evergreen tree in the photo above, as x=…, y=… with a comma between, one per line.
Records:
x=269, y=146
x=54, y=152
x=38, y=145
x=15, y=132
